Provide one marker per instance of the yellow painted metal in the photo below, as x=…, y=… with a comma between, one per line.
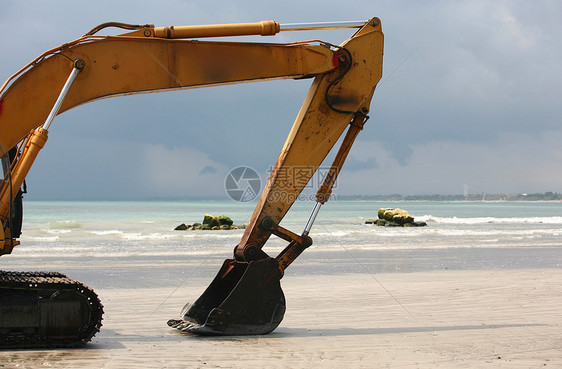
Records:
x=7, y=243
x=123, y=65
x=14, y=181
x=140, y=63
x=316, y=130
x=265, y=28
x=12, y=185
x=325, y=190
x=134, y=63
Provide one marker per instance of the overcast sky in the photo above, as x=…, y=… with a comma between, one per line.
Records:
x=471, y=95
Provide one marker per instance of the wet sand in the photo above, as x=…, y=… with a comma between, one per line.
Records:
x=447, y=319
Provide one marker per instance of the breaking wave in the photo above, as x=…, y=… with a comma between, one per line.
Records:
x=484, y=220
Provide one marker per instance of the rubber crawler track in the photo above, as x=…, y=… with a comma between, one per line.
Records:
x=33, y=286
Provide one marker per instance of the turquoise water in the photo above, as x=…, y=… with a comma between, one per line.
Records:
x=132, y=226
x=86, y=237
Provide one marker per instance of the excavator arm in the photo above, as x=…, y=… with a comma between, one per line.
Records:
x=245, y=297
x=112, y=66
x=336, y=99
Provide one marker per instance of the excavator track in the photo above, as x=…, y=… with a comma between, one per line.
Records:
x=46, y=310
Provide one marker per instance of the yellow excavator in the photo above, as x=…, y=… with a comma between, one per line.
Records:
x=48, y=309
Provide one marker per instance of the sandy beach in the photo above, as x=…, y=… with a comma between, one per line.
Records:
x=480, y=287
x=447, y=319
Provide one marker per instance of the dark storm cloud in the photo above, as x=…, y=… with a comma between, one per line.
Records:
x=468, y=86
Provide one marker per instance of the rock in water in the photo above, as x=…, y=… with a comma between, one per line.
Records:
x=389, y=217
x=402, y=217
x=397, y=215
x=224, y=220
x=211, y=220
x=382, y=211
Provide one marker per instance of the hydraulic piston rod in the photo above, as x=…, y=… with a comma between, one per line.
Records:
x=312, y=218
x=320, y=25
x=264, y=28
x=78, y=66
x=35, y=142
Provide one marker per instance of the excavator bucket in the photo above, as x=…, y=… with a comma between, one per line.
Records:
x=243, y=299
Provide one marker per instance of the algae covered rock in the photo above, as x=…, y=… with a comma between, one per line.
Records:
x=402, y=217
x=390, y=217
x=211, y=220
x=389, y=223
x=397, y=215
x=224, y=220
x=382, y=211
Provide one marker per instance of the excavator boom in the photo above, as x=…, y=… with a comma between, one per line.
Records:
x=246, y=296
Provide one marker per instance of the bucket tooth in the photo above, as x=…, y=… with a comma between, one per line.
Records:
x=243, y=299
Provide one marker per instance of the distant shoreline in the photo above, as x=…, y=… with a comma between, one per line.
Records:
x=339, y=199
x=482, y=197
x=498, y=197
x=456, y=201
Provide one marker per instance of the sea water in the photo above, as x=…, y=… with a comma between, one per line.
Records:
x=89, y=237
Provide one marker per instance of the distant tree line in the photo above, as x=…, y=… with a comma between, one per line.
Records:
x=545, y=196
